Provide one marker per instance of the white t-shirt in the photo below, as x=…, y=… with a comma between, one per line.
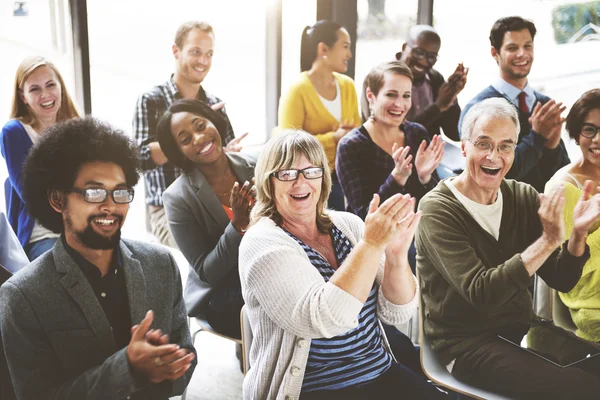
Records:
x=39, y=232
x=334, y=106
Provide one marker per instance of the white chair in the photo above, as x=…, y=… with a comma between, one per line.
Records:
x=247, y=337
x=439, y=375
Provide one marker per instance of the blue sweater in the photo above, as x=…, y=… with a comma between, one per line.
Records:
x=534, y=164
x=15, y=144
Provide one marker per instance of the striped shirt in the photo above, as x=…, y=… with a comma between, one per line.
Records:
x=148, y=110
x=356, y=357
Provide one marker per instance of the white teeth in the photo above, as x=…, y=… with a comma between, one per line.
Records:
x=47, y=104
x=490, y=168
x=397, y=113
x=520, y=64
x=105, y=221
x=206, y=148
x=595, y=151
x=299, y=196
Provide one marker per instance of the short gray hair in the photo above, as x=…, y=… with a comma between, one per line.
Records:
x=495, y=107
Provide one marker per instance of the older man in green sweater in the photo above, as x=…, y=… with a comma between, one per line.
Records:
x=480, y=241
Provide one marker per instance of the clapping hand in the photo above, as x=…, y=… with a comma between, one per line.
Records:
x=547, y=122
x=428, y=158
x=383, y=222
x=150, y=354
x=403, y=166
x=449, y=90
x=241, y=201
x=551, y=216
x=586, y=214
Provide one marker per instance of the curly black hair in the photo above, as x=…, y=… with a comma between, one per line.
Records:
x=588, y=101
x=54, y=162
x=167, y=142
x=509, y=24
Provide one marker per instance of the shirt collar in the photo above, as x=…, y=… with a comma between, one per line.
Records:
x=91, y=272
x=177, y=95
x=511, y=92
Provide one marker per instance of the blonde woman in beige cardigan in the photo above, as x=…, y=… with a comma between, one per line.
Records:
x=316, y=284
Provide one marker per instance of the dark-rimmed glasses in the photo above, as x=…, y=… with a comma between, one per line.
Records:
x=97, y=195
x=589, y=130
x=488, y=147
x=293, y=174
x=421, y=54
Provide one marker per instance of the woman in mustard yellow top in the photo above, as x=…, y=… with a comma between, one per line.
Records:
x=582, y=178
x=323, y=101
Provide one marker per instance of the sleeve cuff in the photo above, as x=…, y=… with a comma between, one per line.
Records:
x=570, y=259
x=344, y=307
x=395, y=314
x=517, y=272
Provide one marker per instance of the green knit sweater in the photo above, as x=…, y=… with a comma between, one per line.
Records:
x=473, y=286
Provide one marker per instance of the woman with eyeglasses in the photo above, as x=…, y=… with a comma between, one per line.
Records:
x=317, y=283
x=40, y=99
x=582, y=178
x=323, y=100
x=208, y=210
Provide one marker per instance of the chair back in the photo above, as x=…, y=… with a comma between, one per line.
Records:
x=6, y=388
x=247, y=337
x=561, y=314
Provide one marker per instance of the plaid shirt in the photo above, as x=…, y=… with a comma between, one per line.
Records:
x=363, y=168
x=148, y=110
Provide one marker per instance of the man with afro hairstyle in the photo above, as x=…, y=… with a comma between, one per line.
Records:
x=75, y=323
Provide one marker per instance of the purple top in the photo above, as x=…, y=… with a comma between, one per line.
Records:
x=363, y=168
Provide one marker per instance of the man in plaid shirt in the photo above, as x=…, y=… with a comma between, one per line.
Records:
x=193, y=51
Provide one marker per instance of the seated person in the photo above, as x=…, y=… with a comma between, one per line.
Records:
x=481, y=240
x=577, y=178
x=387, y=154
x=434, y=102
x=208, y=209
x=75, y=322
x=40, y=99
x=317, y=283
x=323, y=100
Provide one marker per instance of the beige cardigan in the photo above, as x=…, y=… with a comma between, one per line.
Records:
x=288, y=303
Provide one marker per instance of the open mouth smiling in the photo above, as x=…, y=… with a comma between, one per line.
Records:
x=490, y=170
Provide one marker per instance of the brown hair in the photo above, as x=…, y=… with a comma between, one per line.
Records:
x=588, y=101
x=281, y=152
x=376, y=78
x=184, y=29
x=20, y=110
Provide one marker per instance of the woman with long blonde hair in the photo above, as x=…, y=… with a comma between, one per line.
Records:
x=40, y=99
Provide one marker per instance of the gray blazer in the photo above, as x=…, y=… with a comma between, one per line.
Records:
x=58, y=342
x=203, y=232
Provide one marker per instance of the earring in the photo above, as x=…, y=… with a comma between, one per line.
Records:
x=371, y=114
x=325, y=56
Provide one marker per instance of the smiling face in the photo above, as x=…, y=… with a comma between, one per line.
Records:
x=393, y=101
x=485, y=170
x=296, y=201
x=590, y=148
x=194, y=59
x=197, y=138
x=41, y=92
x=515, y=56
x=419, y=57
x=339, y=54
x=95, y=225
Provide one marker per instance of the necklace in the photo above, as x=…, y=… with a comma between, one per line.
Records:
x=224, y=194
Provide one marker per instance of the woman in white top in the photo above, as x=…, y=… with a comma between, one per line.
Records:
x=318, y=284
x=40, y=99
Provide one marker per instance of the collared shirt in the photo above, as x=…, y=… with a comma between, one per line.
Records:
x=422, y=97
x=111, y=292
x=512, y=93
x=149, y=108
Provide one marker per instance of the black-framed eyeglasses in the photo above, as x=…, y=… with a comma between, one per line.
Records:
x=97, y=195
x=488, y=147
x=422, y=54
x=293, y=174
x=589, y=130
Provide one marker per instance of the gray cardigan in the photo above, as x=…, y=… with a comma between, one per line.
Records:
x=202, y=230
x=58, y=342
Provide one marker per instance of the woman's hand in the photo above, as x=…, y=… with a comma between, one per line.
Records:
x=403, y=167
x=397, y=249
x=586, y=214
x=241, y=201
x=551, y=216
x=428, y=158
x=383, y=222
x=342, y=130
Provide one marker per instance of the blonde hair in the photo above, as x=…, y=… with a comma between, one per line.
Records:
x=282, y=152
x=375, y=80
x=187, y=27
x=20, y=110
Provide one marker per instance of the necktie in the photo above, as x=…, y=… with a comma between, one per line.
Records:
x=523, y=103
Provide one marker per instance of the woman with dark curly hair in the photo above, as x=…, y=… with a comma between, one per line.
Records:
x=582, y=178
x=208, y=210
x=40, y=99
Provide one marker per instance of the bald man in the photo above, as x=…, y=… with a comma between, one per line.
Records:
x=434, y=102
